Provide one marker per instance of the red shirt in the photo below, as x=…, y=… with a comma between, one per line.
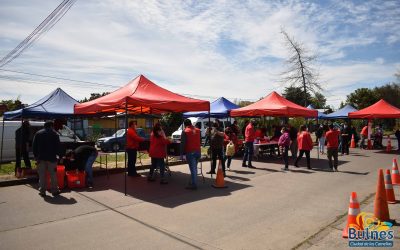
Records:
x=158, y=146
x=332, y=138
x=304, y=141
x=193, y=139
x=364, y=131
x=132, y=141
x=249, y=134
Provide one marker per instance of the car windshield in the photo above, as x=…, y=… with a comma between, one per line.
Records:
x=119, y=133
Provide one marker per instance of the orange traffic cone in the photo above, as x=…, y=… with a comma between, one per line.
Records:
x=353, y=142
x=354, y=210
x=389, y=145
x=381, y=209
x=219, y=181
x=369, y=145
x=389, y=188
x=395, y=173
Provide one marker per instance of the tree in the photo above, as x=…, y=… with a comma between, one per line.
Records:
x=300, y=72
x=171, y=122
x=390, y=93
x=296, y=95
x=362, y=98
x=94, y=96
x=397, y=75
x=318, y=100
x=11, y=105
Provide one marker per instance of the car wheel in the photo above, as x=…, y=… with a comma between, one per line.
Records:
x=116, y=147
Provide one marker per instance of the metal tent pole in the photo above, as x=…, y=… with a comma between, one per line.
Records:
x=115, y=132
x=2, y=138
x=126, y=136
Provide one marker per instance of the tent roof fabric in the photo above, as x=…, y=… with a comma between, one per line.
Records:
x=57, y=104
x=320, y=114
x=141, y=96
x=219, y=108
x=342, y=113
x=274, y=105
x=380, y=109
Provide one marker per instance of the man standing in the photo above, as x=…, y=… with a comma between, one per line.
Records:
x=132, y=145
x=82, y=158
x=22, y=136
x=332, y=142
x=249, y=136
x=217, y=147
x=46, y=148
x=305, y=146
x=191, y=140
x=345, y=134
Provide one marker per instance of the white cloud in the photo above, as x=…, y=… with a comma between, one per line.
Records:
x=183, y=45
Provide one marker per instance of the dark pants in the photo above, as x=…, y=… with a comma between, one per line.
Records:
x=157, y=162
x=228, y=160
x=132, y=155
x=248, y=153
x=285, y=156
x=333, y=152
x=345, y=145
x=25, y=155
x=301, y=152
x=217, y=153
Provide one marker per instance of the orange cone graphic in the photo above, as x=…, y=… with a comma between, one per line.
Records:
x=395, y=173
x=381, y=209
x=389, y=188
x=369, y=145
x=389, y=145
x=353, y=142
x=354, y=210
x=219, y=181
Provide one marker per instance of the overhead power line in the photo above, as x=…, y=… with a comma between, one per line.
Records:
x=43, y=27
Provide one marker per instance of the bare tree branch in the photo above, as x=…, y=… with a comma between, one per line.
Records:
x=299, y=72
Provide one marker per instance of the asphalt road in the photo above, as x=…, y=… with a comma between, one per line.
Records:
x=262, y=208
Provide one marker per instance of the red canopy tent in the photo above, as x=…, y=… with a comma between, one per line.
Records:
x=274, y=105
x=380, y=109
x=141, y=96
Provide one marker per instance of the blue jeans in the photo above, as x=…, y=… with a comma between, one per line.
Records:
x=248, y=152
x=192, y=159
x=89, y=167
x=157, y=162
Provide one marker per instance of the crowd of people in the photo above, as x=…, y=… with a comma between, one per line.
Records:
x=224, y=145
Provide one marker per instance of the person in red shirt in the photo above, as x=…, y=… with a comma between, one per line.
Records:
x=191, y=141
x=305, y=145
x=157, y=152
x=132, y=145
x=364, y=135
x=332, y=144
x=249, y=136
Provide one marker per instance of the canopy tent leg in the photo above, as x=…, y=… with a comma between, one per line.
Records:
x=2, y=138
x=116, y=152
x=126, y=137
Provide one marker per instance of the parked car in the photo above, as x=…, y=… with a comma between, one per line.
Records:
x=116, y=142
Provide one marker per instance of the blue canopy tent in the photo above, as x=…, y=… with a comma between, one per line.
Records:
x=57, y=104
x=342, y=113
x=219, y=108
x=320, y=114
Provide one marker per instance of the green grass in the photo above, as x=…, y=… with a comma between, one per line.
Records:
x=9, y=167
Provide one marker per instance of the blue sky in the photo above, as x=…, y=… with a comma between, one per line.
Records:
x=203, y=49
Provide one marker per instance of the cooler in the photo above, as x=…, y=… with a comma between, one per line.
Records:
x=60, y=177
x=76, y=179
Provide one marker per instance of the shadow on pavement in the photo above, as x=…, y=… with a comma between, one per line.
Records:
x=168, y=195
x=352, y=172
x=393, y=152
x=59, y=200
